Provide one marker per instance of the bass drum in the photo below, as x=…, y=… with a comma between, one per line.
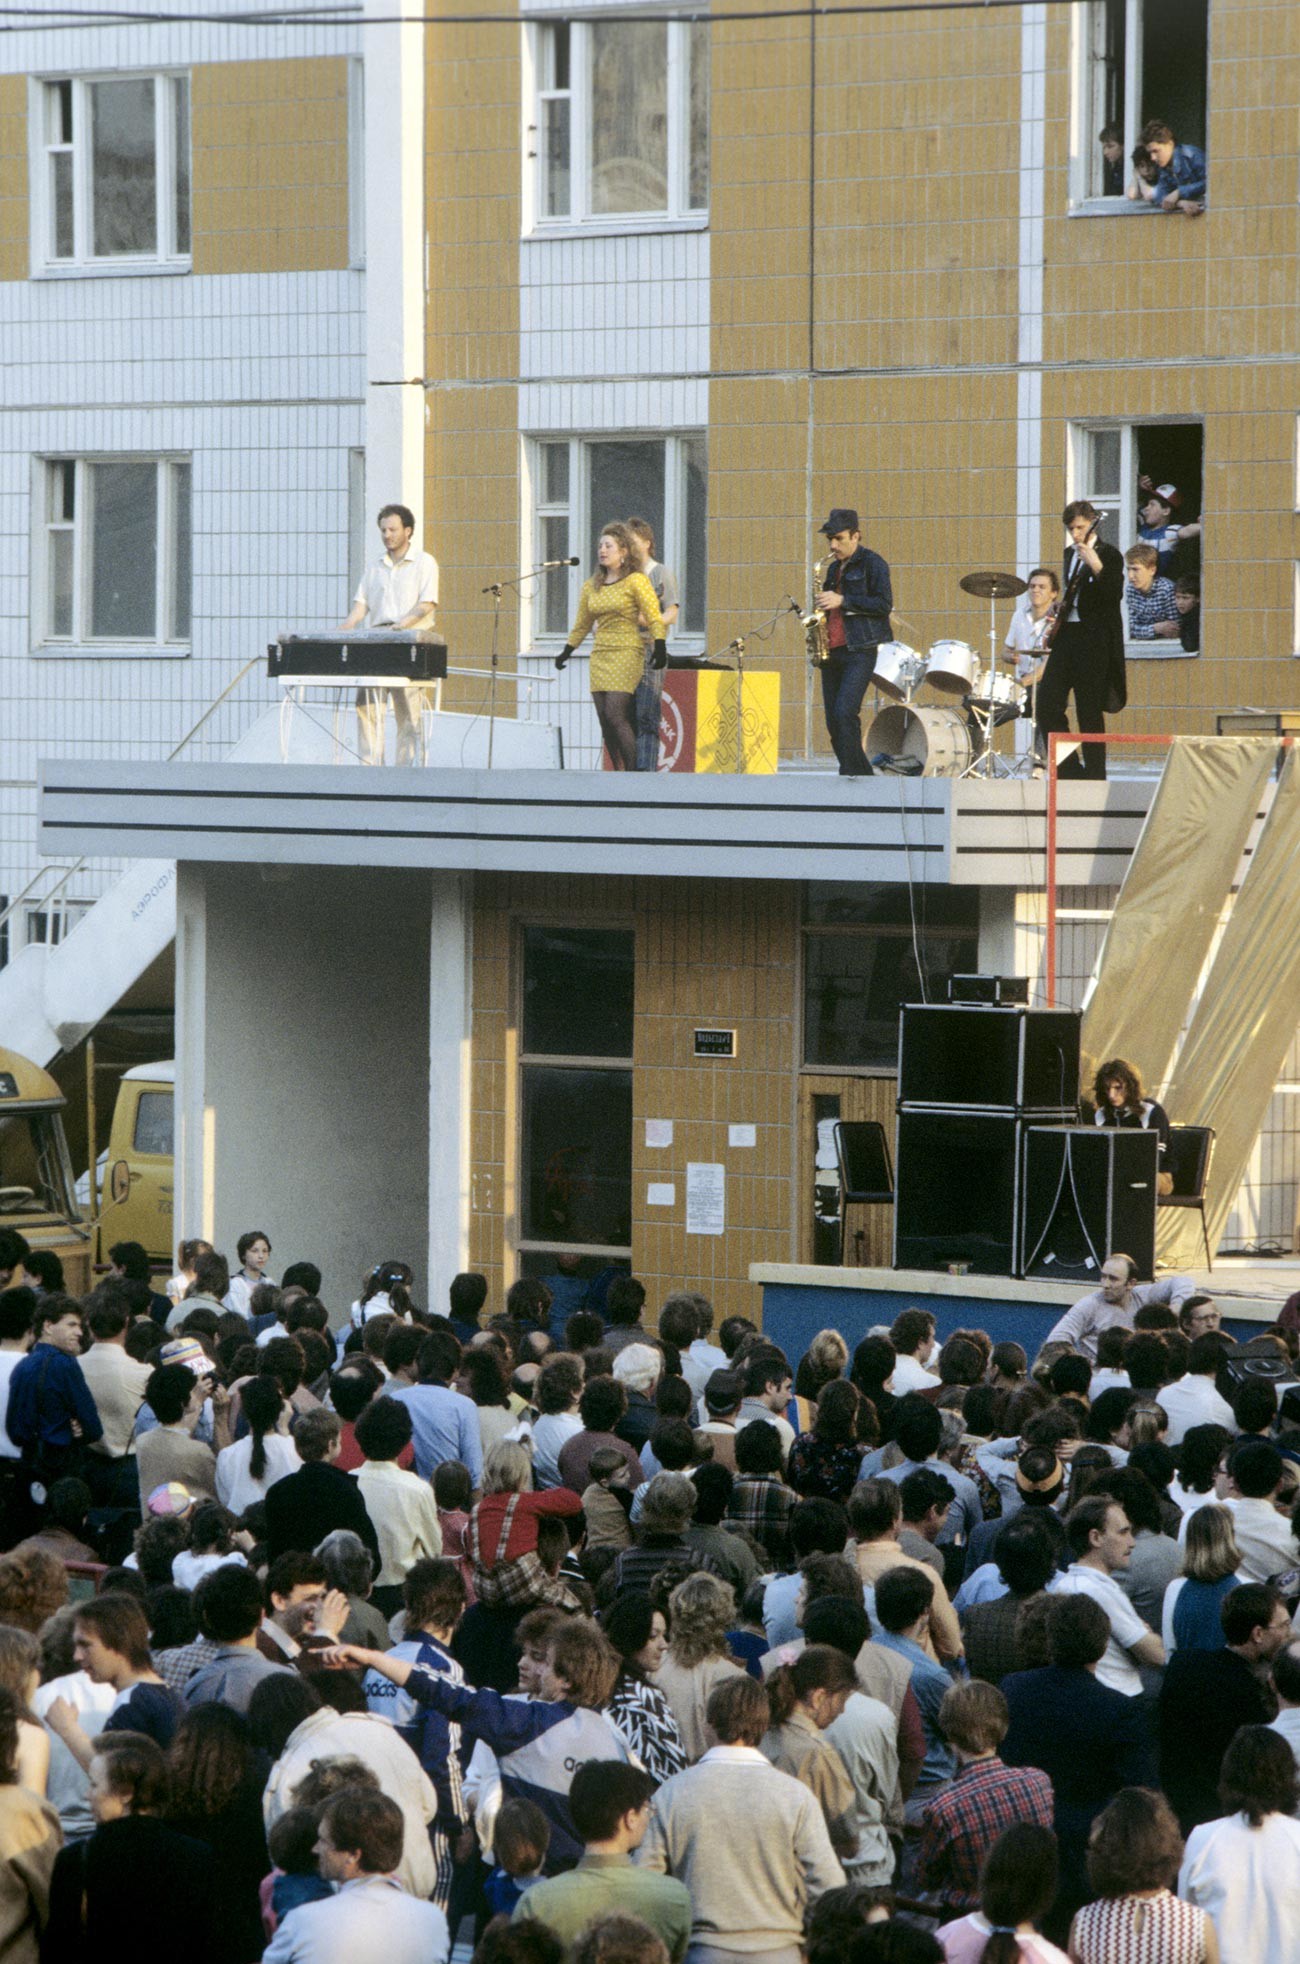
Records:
x=940, y=738
x=899, y=670
x=953, y=667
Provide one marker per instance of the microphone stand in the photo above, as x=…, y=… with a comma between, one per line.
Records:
x=496, y=588
x=736, y=647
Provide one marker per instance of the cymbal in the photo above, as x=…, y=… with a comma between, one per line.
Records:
x=994, y=586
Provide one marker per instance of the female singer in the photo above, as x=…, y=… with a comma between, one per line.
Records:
x=613, y=601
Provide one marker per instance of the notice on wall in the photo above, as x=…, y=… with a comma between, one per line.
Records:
x=659, y=1132
x=661, y=1193
x=706, y=1198
x=742, y=1135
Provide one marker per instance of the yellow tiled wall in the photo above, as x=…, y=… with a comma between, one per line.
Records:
x=473, y=203
x=270, y=165
x=705, y=956
x=13, y=177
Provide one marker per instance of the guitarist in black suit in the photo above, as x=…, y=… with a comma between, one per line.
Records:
x=1086, y=642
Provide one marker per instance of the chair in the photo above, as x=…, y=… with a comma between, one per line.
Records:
x=866, y=1171
x=1191, y=1148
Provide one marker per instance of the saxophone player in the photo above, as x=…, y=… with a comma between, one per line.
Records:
x=856, y=601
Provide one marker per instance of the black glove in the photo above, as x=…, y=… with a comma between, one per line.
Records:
x=659, y=658
x=561, y=659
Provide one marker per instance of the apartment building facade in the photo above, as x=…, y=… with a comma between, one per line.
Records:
x=724, y=274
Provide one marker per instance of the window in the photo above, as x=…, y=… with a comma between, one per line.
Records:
x=46, y=926
x=860, y=965
x=115, y=563
x=116, y=181
x=1115, y=465
x=621, y=125
x=153, y=1124
x=575, y=1143
x=1135, y=60
x=581, y=483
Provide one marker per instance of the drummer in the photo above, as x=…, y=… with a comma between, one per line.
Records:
x=1029, y=624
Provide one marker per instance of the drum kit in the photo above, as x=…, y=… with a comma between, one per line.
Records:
x=941, y=740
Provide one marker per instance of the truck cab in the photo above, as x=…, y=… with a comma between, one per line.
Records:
x=136, y=1204
x=37, y=1197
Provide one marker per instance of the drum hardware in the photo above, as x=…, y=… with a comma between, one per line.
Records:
x=993, y=698
x=899, y=670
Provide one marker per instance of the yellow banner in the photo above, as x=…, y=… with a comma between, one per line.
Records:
x=738, y=722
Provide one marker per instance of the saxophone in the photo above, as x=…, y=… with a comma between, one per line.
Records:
x=814, y=621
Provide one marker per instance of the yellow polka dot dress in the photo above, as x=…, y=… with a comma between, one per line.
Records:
x=617, y=653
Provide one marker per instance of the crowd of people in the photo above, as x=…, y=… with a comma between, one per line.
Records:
x=576, y=1635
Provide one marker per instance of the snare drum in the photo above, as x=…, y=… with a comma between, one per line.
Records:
x=953, y=667
x=899, y=670
x=941, y=738
x=993, y=690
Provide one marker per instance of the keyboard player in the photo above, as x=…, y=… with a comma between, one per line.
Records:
x=398, y=591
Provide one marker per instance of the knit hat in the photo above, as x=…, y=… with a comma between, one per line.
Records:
x=187, y=1350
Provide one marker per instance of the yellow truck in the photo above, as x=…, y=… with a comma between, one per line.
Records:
x=37, y=1197
x=137, y=1174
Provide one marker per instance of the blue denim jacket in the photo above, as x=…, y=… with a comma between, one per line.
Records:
x=863, y=579
x=1185, y=173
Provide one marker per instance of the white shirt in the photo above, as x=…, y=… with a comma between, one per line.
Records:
x=911, y=1375
x=236, y=1487
x=68, y=1787
x=1192, y=1400
x=405, y=1515
x=239, y=1296
x=369, y=1921
x=1263, y=1536
x=358, y=1735
x=700, y=1362
x=392, y=589
x=1248, y=1879
x=189, y=1570
x=1116, y=1668
x=1287, y=1723
x=551, y=1433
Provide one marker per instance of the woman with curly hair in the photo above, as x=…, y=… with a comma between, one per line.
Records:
x=639, y=1633
x=1117, y=1100
x=824, y=1462
x=826, y=1358
x=615, y=600
x=33, y=1584
x=701, y=1610
x=217, y=1778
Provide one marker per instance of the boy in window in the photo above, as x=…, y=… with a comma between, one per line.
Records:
x=1158, y=527
x=1111, y=140
x=1142, y=186
x=1152, y=613
x=1182, y=183
x=1187, y=599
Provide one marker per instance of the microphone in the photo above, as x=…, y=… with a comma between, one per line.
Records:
x=553, y=565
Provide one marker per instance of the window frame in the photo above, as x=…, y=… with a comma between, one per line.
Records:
x=856, y=930
x=1079, y=434
x=581, y=519
x=79, y=641
x=678, y=212
x=83, y=261
x=522, y=1060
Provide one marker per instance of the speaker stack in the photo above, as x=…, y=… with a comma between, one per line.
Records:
x=1088, y=1192
x=971, y=1080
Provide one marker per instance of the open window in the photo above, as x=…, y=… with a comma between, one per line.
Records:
x=1134, y=61
x=1118, y=467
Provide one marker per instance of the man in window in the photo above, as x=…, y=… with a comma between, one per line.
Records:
x=857, y=600
x=1181, y=184
x=399, y=591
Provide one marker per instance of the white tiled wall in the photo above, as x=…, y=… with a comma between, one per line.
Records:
x=604, y=306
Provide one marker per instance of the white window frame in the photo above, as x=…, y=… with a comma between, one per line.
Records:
x=79, y=641
x=582, y=520
x=168, y=258
x=678, y=213
x=1295, y=614
x=1088, y=106
x=1078, y=464
x=46, y=924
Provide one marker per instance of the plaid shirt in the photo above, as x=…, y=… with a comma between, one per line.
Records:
x=963, y=1821
x=992, y=1649
x=1145, y=609
x=177, y=1667
x=763, y=1504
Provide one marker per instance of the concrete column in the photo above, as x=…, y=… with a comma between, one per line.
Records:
x=395, y=266
x=191, y=1211
x=450, y=1034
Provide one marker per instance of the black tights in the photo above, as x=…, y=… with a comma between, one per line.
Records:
x=615, y=712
